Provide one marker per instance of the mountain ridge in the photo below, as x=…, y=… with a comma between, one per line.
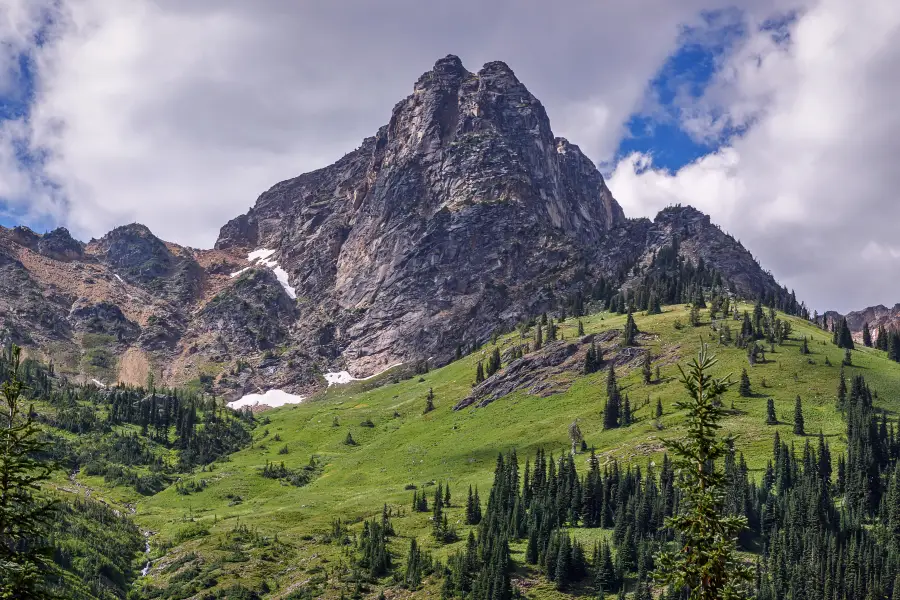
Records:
x=461, y=217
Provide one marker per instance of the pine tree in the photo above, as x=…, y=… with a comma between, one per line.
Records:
x=24, y=511
x=744, y=389
x=704, y=562
x=349, y=441
x=804, y=346
x=848, y=360
x=580, y=328
x=771, y=418
x=867, y=335
x=626, y=412
x=538, y=337
x=798, y=417
x=611, y=412
x=631, y=330
x=494, y=363
x=479, y=373
x=413, y=576
x=647, y=371
x=429, y=401
x=659, y=408
x=575, y=436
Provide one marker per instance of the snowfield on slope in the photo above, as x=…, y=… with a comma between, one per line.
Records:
x=273, y=398
x=261, y=257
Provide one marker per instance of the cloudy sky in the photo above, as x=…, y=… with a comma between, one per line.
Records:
x=778, y=118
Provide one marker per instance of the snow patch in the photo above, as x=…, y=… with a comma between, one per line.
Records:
x=261, y=257
x=261, y=254
x=239, y=273
x=99, y=384
x=341, y=377
x=273, y=398
x=120, y=279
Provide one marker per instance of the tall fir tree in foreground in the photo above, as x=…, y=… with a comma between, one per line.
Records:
x=704, y=564
x=24, y=512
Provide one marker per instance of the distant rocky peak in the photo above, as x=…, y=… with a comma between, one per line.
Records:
x=60, y=245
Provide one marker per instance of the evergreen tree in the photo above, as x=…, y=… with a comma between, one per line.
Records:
x=24, y=511
x=575, y=436
x=744, y=388
x=647, y=372
x=659, y=408
x=842, y=335
x=798, y=417
x=611, y=411
x=848, y=360
x=631, y=330
x=593, y=359
x=493, y=362
x=413, y=575
x=349, y=441
x=538, y=337
x=771, y=418
x=867, y=335
x=580, y=328
x=429, y=401
x=479, y=373
x=804, y=346
x=704, y=562
x=882, y=342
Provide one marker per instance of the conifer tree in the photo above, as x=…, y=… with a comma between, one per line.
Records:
x=494, y=363
x=611, y=411
x=575, y=436
x=771, y=418
x=804, y=346
x=24, y=511
x=349, y=441
x=798, y=417
x=580, y=328
x=626, y=412
x=659, y=408
x=429, y=401
x=413, y=576
x=744, y=388
x=867, y=335
x=479, y=373
x=848, y=360
x=647, y=372
x=538, y=337
x=882, y=342
x=631, y=330
x=705, y=561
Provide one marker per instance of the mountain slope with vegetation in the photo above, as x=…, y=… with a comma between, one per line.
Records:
x=265, y=517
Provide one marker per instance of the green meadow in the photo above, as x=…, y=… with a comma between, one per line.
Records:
x=244, y=527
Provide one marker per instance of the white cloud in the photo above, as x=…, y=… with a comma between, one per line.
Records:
x=178, y=114
x=811, y=186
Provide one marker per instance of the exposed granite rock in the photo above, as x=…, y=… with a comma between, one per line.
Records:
x=451, y=220
x=60, y=244
x=106, y=319
x=253, y=314
x=532, y=372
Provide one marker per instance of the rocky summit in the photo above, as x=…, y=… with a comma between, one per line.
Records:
x=461, y=217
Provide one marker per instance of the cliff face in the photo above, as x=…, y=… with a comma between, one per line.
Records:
x=462, y=215
x=438, y=228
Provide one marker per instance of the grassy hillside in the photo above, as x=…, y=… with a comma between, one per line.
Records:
x=272, y=537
